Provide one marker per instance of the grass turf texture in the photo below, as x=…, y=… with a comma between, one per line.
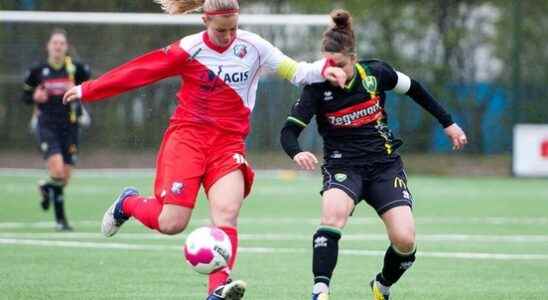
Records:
x=454, y=215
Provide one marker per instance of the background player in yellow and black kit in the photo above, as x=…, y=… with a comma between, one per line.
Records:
x=57, y=127
x=361, y=162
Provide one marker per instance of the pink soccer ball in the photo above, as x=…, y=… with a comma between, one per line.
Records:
x=207, y=249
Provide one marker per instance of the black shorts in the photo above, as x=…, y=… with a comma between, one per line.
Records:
x=58, y=139
x=382, y=185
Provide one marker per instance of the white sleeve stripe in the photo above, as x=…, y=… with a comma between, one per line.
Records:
x=404, y=83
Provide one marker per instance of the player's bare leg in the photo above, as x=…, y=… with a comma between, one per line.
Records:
x=225, y=200
x=400, y=256
x=336, y=208
x=166, y=218
x=174, y=219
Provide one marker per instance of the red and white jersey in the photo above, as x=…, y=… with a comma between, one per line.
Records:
x=219, y=85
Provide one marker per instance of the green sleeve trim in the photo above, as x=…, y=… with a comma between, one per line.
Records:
x=293, y=119
x=331, y=229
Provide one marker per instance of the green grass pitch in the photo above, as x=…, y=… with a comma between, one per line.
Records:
x=478, y=238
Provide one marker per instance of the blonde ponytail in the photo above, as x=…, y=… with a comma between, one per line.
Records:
x=176, y=7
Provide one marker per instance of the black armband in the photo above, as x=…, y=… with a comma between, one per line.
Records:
x=420, y=95
x=289, y=138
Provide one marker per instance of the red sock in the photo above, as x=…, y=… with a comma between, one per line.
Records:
x=220, y=277
x=146, y=210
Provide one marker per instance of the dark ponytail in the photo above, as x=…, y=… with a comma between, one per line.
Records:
x=340, y=38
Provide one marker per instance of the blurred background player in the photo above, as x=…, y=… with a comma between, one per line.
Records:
x=204, y=144
x=361, y=162
x=56, y=125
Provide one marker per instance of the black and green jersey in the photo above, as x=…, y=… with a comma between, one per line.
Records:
x=56, y=80
x=353, y=120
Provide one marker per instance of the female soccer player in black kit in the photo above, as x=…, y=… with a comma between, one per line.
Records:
x=58, y=124
x=361, y=162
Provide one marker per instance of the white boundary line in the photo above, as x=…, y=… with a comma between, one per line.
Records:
x=263, y=250
x=315, y=221
x=287, y=237
x=139, y=173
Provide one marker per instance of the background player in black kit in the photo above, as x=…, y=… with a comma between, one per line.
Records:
x=361, y=162
x=58, y=126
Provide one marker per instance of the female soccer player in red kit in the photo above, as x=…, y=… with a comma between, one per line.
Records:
x=204, y=143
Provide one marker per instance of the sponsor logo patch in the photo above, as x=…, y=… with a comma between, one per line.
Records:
x=399, y=183
x=370, y=84
x=57, y=86
x=328, y=96
x=320, y=241
x=357, y=115
x=240, y=50
x=336, y=155
x=406, y=265
x=239, y=159
x=340, y=177
x=177, y=188
x=236, y=77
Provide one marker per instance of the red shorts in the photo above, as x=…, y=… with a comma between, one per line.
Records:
x=192, y=155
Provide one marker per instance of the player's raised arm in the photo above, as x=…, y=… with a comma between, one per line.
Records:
x=141, y=71
x=298, y=73
x=306, y=73
x=403, y=84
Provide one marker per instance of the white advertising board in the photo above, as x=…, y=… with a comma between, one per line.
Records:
x=530, y=150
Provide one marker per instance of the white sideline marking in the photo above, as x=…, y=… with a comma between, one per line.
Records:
x=262, y=250
x=315, y=221
x=136, y=173
x=477, y=238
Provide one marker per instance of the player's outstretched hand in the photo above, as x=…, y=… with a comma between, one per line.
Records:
x=306, y=160
x=457, y=136
x=336, y=75
x=71, y=95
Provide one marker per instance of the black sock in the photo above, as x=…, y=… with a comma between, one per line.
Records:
x=48, y=194
x=326, y=251
x=57, y=187
x=395, y=264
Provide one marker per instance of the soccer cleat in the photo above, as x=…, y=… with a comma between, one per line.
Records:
x=114, y=217
x=320, y=296
x=63, y=226
x=377, y=293
x=232, y=290
x=44, y=189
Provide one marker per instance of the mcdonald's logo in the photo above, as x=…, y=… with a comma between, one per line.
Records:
x=399, y=183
